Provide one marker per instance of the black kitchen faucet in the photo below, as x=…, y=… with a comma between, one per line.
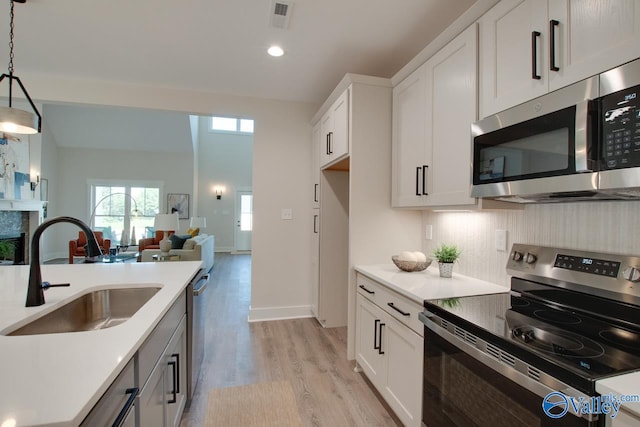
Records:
x=35, y=292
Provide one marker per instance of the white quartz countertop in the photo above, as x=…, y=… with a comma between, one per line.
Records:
x=627, y=385
x=55, y=379
x=428, y=285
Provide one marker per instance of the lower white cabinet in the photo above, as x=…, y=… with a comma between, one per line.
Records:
x=163, y=397
x=389, y=351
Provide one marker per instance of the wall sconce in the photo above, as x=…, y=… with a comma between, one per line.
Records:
x=218, y=189
x=34, y=184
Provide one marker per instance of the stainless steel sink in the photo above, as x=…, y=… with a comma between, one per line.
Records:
x=95, y=310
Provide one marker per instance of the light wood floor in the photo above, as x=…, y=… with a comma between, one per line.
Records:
x=313, y=359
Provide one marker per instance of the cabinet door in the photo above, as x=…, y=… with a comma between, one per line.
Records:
x=316, y=138
x=368, y=353
x=451, y=109
x=151, y=401
x=175, y=377
x=507, y=61
x=592, y=36
x=339, y=141
x=326, y=132
x=403, y=349
x=409, y=139
x=315, y=262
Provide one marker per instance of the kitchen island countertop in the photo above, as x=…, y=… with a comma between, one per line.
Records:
x=56, y=379
x=428, y=285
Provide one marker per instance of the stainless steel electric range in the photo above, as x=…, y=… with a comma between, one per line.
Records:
x=532, y=356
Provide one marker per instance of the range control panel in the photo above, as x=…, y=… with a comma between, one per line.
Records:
x=621, y=129
x=588, y=265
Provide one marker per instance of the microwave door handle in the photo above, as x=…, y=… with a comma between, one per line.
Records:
x=581, y=154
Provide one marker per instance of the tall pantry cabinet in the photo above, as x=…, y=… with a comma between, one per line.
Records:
x=354, y=222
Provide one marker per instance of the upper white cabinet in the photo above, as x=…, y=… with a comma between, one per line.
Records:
x=334, y=131
x=316, y=139
x=531, y=47
x=433, y=109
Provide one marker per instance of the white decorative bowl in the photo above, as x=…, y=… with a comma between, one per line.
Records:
x=410, y=265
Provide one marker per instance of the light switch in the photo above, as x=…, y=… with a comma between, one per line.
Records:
x=428, y=232
x=287, y=213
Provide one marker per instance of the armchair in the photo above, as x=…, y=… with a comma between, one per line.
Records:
x=152, y=242
x=76, y=247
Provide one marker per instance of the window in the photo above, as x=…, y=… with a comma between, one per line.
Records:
x=231, y=125
x=246, y=212
x=122, y=212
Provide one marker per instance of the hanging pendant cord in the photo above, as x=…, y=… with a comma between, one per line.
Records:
x=11, y=41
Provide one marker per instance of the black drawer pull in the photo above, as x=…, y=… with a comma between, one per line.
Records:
x=380, y=344
x=132, y=392
x=375, y=335
x=404, y=313
x=366, y=290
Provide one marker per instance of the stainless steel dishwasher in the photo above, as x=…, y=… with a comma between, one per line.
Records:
x=195, y=330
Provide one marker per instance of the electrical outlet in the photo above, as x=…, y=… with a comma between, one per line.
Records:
x=428, y=232
x=286, y=213
x=501, y=240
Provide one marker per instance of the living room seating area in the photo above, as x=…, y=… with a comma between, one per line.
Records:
x=76, y=246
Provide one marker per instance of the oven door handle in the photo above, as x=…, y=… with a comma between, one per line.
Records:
x=513, y=374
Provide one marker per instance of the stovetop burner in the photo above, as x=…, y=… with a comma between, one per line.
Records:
x=556, y=316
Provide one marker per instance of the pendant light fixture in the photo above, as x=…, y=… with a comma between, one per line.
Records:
x=14, y=120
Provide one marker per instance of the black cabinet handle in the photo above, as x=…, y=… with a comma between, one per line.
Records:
x=315, y=192
x=330, y=142
x=534, y=55
x=366, y=290
x=424, y=180
x=326, y=147
x=418, y=181
x=175, y=366
x=132, y=392
x=380, y=338
x=404, y=313
x=375, y=335
x=552, y=45
x=315, y=224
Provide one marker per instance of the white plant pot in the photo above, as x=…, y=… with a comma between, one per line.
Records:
x=446, y=269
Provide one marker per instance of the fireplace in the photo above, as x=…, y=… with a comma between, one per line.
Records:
x=13, y=249
x=18, y=221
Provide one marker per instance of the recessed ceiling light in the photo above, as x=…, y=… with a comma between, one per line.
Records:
x=275, y=51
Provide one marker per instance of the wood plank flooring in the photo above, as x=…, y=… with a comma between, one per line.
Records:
x=313, y=359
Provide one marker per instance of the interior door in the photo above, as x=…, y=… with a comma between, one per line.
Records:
x=244, y=220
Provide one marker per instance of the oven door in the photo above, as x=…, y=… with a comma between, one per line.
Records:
x=542, y=147
x=464, y=387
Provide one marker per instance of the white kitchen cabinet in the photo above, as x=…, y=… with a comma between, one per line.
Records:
x=315, y=262
x=334, y=131
x=388, y=348
x=623, y=419
x=315, y=166
x=433, y=110
x=115, y=401
x=531, y=47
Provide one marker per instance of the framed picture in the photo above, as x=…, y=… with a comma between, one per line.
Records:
x=178, y=203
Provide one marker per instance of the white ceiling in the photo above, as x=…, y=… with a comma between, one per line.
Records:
x=215, y=46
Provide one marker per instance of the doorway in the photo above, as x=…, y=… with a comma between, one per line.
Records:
x=244, y=220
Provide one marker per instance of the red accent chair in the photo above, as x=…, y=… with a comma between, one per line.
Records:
x=76, y=247
x=152, y=242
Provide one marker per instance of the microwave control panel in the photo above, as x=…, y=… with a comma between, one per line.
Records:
x=621, y=129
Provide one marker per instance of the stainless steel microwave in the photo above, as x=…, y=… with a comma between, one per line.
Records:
x=542, y=150
x=581, y=142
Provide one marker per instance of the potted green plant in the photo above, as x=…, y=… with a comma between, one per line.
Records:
x=446, y=256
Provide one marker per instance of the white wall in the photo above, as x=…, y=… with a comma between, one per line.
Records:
x=281, y=162
x=227, y=160
x=593, y=226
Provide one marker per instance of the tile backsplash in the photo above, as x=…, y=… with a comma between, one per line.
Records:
x=596, y=226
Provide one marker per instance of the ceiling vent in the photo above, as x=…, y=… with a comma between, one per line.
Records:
x=280, y=13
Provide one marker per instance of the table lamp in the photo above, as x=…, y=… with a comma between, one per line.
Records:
x=166, y=223
x=198, y=222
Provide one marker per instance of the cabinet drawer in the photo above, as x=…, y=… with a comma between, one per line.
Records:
x=398, y=306
x=153, y=347
x=114, y=399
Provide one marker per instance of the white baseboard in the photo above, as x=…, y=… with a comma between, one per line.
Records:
x=279, y=313
x=224, y=249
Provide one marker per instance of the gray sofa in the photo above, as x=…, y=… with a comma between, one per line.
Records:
x=199, y=248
